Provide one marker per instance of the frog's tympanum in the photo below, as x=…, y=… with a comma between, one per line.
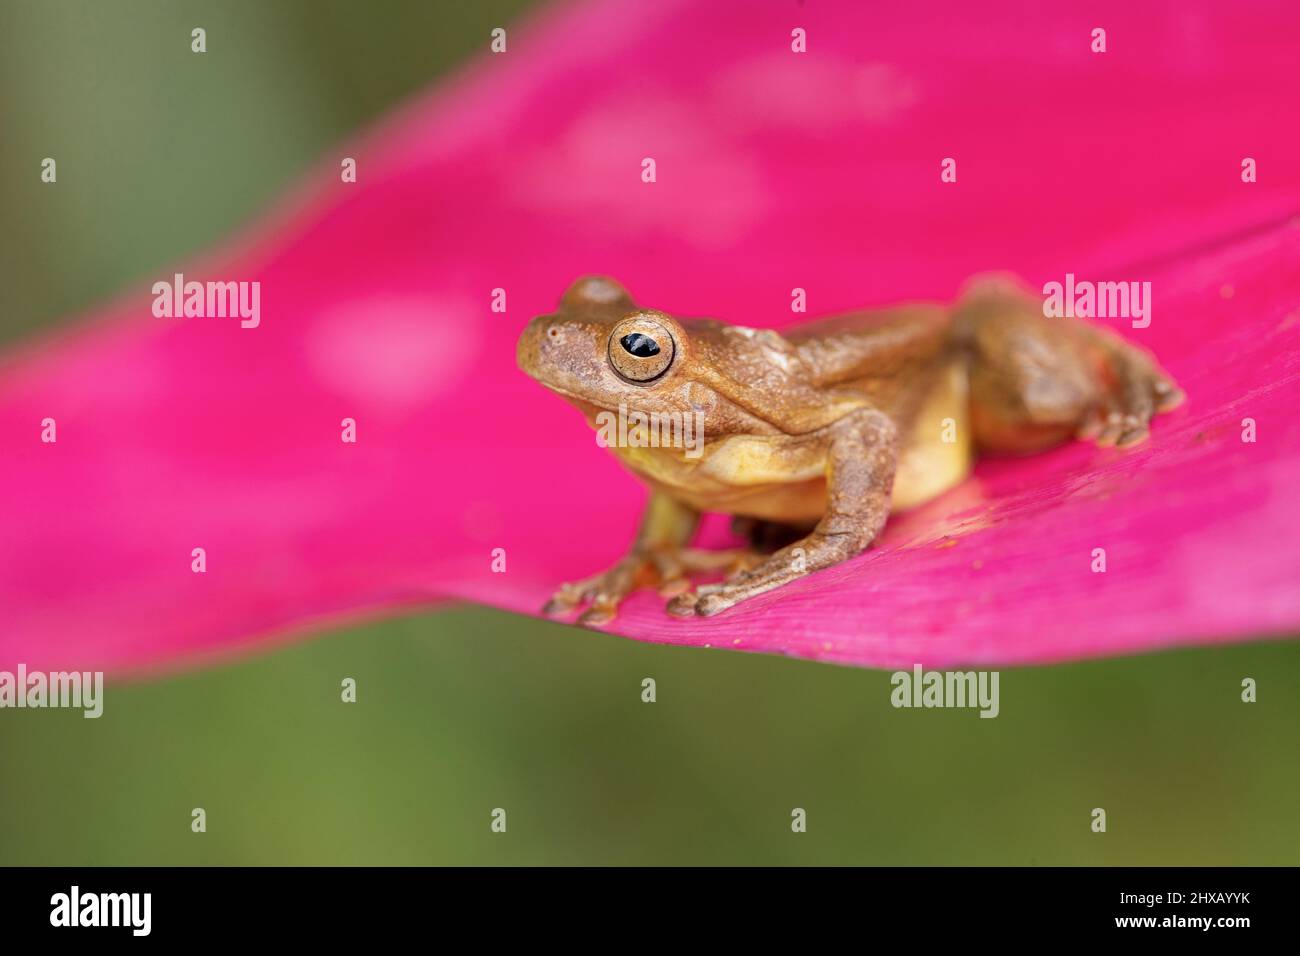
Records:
x=812, y=436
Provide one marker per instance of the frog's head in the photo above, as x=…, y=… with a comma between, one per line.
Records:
x=600, y=350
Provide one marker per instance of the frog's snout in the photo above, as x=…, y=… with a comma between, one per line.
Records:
x=529, y=353
x=562, y=355
x=546, y=348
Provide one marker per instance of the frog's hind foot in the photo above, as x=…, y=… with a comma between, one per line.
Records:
x=1133, y=391
x=1037, y=381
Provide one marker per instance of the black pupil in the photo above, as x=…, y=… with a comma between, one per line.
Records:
x=642, y=346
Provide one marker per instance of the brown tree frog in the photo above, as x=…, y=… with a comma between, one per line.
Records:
x=813, y=435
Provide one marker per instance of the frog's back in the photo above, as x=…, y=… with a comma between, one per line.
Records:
x=901, y=359
x=880, y=352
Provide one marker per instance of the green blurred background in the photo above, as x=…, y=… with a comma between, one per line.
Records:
x=465, y=710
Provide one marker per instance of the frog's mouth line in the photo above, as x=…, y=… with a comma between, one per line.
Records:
x=581, y=402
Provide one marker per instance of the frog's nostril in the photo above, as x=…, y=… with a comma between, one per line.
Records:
x=553, y=333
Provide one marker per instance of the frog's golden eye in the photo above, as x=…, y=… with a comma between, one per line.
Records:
x=641, y=349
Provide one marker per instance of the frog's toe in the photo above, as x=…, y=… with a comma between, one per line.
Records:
x=603, y=601
x=706, y=600
x=1138, y=392
x=1125, y=419
x=1168, y=395
x=711, y=604
x=712, y=599
x=671, y=575
x=683, y=605
x=602, y=592
x=564, y=600
x=598, y=614
x=556, y=607
x=1134, y=434
x=1113, y=426
x=737, y=562
x=673, y=587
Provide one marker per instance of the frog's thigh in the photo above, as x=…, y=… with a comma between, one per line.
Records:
x=861, y=458
x=1031, y=382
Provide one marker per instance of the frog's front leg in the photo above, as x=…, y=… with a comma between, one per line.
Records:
x=659, y=558
x=861, y=457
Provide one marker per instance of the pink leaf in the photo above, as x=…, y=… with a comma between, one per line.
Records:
x=775, y=170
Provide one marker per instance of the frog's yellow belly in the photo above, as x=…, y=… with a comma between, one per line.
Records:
x=782, y=478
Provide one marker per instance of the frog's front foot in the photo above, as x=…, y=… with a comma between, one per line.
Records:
x=666, y=570
x=819, y=549
x=709, y=599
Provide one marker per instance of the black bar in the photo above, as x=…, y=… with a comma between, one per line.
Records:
x=330, y=905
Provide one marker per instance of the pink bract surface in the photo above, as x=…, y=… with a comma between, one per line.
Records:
x=775, y=170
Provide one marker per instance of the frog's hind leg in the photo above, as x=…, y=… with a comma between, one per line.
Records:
x=1037, y=381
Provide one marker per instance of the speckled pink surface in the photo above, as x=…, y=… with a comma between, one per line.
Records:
x=775, y=170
